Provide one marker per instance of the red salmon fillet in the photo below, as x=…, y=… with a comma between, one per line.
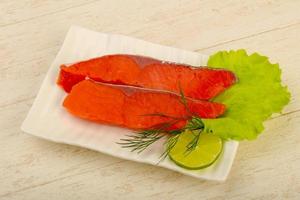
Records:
x=129, y=106
x=199, y=83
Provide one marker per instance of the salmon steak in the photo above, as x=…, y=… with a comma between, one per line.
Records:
x=201, y=83
x=134, y=107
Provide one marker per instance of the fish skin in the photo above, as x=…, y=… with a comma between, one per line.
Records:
x=196, y=82
x=113, y=105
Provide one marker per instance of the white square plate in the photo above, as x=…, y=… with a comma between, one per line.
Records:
x=49, y=120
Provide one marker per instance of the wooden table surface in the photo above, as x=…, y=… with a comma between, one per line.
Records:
x=31, y=33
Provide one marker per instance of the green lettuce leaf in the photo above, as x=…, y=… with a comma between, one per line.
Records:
x=257, y=94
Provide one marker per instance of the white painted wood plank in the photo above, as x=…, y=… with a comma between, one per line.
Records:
x=36, y=42
x=12, y=12
x=184, y=24
x=281, y=47
x=259, y=173
x=35, y=169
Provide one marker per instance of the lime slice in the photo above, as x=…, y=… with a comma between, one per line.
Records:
x=205, y=153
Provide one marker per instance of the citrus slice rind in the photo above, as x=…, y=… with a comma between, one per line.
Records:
x=206, y=152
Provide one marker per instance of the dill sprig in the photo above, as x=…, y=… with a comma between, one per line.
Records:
x=141, y=140
x=195, y=125
x=191, y=146
x=184, y=101
x=169, y=144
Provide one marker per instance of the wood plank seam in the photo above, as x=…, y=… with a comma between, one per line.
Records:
x=249, y=36
x=57, y=179
x=47, y=14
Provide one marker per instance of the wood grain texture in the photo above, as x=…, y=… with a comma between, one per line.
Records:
x=31, y=32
